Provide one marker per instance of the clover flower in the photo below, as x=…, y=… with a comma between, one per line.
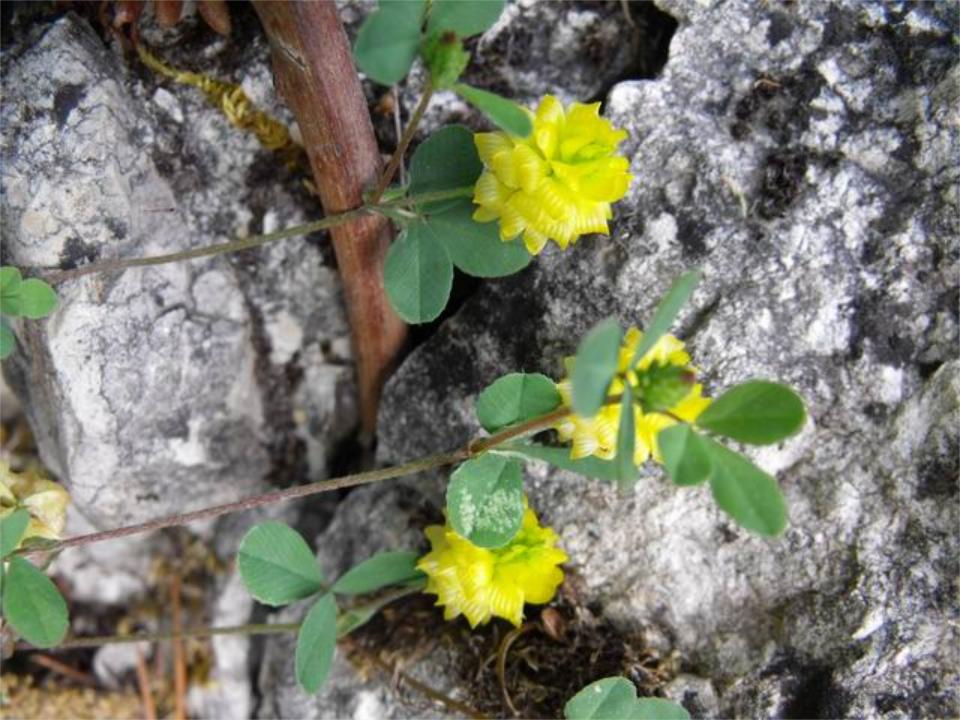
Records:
x=45, y=500
x=597, y=435
x=558, y=183
x=482, y=583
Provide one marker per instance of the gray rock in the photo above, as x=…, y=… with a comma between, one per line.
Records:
x=805, y=158
x=157, y=390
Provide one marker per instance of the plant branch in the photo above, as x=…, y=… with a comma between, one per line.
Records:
x=270, y=498
x=473, y=448
x=201, y=632
x=405, y=140
x=254, y=241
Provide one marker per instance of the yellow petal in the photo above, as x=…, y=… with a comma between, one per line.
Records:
x=489, y=144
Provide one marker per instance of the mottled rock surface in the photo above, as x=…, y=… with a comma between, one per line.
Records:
x=805, y=156
x=160, y=389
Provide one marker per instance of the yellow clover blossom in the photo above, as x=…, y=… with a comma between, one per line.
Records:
x=482, y=583
x=598, y=435
x=45, y=500
x=558, y=183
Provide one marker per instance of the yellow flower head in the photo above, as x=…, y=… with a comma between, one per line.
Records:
x=482, y=583
x=597, y=435
x=45, y=500
x=558, y=183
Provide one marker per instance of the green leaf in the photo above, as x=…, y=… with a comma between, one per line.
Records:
x=389, y=40
x=33, y=605
x=418, y=275
x=277, y=565
x=10, y=280
x=595, y=366
x=560, y=457
x=626, y=442
x=758, y=412
x=659, y=709
x=12, y=528
x=316, y=642
x=505, y=113
x=514, y=398
x=476, y=248
x=8, y=340
x=485, y=500
x=464, y=17
x=37, y=299
x=615, y=698
x=386, y=568
x=685, y=454
x=745, y=491
x=667, y=312
x=446, y=160
x=445, y=58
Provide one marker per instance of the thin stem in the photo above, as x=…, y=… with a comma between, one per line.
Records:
x=405, y=140
x=475, y=447
x=362, y=478
x=201, y=632
x=256, y=240
x=208, y=250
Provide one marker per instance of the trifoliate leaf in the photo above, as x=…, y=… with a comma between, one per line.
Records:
x=615, y=698
x=514, y=398
x=277, y=565
x=12, y=528
x=446, y=160
x=316, y=643
x=667, y=312
x=595, y=366
x=418, y=275
x=485, y=500
x=505, y=113
x=386, y=568
x=389, y=40
x=476, y=248
x=37, y=299
x=758, y=412
x=463, y=17
x=33, y=605
x=745, y=491
x=685, y=455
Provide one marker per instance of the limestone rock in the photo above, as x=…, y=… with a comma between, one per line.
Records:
x=156, y=390
x=804, y=157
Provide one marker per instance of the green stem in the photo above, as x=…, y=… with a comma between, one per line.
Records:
x=473, y=448
x=404, y=143
x=250, y=629
x=256, y=240
x=202, y=632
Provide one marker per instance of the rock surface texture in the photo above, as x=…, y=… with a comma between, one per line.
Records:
x=160, y=389
x=804, y=156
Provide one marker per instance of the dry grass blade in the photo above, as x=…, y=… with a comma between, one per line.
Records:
x=144, y=685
